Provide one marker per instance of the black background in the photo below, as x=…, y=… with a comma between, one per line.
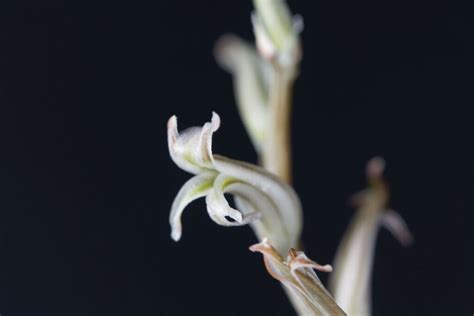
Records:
x=86, y=181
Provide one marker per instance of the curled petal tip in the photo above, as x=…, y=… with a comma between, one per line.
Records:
x=215, y=121
x=175, y=235
x=172, y=129
x=172, y=122
x=236, y=216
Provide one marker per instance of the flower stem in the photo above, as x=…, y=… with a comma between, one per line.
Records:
x=276, y=156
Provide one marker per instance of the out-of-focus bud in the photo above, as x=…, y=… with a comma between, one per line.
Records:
x=350, y=282
x=251, y=75
x=277, y=32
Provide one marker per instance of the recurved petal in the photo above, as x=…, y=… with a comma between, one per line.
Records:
x=191, y=149
x=196, y=187
x=395, y=224
x=219, y=209
x=283, y=197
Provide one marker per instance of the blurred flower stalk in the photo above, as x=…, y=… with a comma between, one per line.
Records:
x=350, y=283
x=263, y=77
x=263, y=80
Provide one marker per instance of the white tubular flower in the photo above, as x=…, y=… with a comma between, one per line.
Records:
x=308, y=295
x=270, y=206
x=251, y=75
x=350, y=282
x=277, y=32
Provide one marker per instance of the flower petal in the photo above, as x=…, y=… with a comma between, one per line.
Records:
x=395, y=224
x=263, y=195
x=191, y=149
x=270, y=224
x=281, y=195
x=193, y=189
x=218, y=207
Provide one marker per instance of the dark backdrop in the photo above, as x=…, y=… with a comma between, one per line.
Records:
x=86, y=180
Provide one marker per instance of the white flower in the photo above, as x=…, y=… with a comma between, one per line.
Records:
x=270, y=206
x=350, y=282
x=303, y=286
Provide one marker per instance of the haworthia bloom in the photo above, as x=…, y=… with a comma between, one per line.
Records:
x=271, y=207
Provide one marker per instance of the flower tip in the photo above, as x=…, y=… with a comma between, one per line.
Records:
x=407, y=240
x=215, y=121
x=224, y=48
x=375, y=167
x=176, y=235
x=258, y=247
x=253, y=248
x=298, y=23
x=326, y=268
x=236, y=216
x=392, y=221
x=172, y=122
x=172, y=132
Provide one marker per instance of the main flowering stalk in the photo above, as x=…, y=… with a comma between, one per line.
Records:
x=263, y=80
